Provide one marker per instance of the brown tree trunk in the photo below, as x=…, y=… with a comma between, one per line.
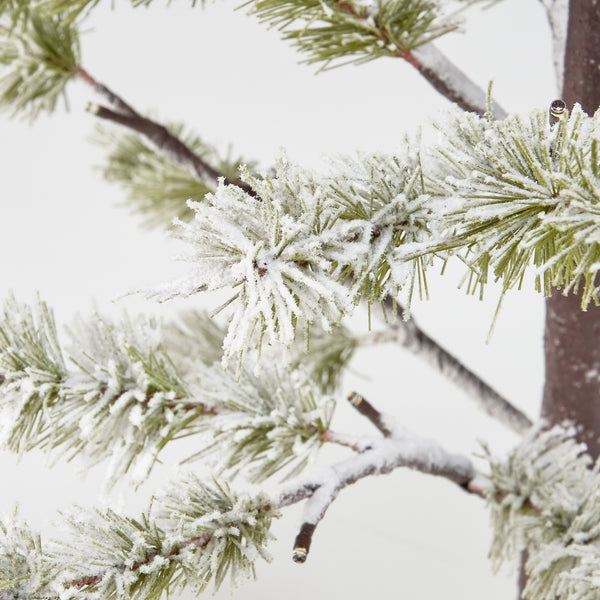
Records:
x=572, y=337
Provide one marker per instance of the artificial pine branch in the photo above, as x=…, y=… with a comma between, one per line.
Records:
x=529, y=197
x=39, y=56
x=377, y=456
x=124, y=399
x=544, y=498
x=192, y=534
x=330, y=32
x=170, y=146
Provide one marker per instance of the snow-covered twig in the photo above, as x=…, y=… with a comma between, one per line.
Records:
x=321, y=486
x=410, y=336
x=450, y=81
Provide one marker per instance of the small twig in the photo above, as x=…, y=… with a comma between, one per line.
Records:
x=366, y=409
x=170, y=146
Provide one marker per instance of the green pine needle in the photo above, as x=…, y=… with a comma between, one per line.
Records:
x=329, y=32
x=38, y=57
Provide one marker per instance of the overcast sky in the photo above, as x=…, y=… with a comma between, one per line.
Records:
x=65, y=234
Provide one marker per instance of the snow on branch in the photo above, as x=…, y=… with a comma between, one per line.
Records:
x=192, y=535
x=451, y=82
x=526, y=197
x=545, y=498
x=380, y=456
x=117, y=394
x=311, y=250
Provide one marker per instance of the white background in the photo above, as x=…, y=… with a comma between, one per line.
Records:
x=63, y=233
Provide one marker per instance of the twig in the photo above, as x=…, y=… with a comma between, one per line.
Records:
x=158, y=134
x=450, y=81
x=170, y=146
x=366, y=409
x=410, y=336
x=322, y=486
x=115, y=101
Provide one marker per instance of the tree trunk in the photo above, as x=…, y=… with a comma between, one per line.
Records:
x=572, y=337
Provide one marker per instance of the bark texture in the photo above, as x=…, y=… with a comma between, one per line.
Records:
x=572, y=337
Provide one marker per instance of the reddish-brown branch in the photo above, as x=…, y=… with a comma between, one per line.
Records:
x=341, y=440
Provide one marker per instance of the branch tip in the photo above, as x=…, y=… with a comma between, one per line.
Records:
x=366, y=409
x=557, y=111
x=302, y=542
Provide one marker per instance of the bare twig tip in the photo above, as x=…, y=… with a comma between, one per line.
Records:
x=299, y=555
x=354, y=398
x=558, y=110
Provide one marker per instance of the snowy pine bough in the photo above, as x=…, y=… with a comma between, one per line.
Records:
x=297, y=251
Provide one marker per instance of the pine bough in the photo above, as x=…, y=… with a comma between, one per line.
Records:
x=298, y=251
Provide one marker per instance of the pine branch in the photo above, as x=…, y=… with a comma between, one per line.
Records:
x=381, y=456
x=156, y=188
x=447, y=79
x=544, y=499
x=39, y=56
x=529, y=200
x=124, y=399
x=192, y=534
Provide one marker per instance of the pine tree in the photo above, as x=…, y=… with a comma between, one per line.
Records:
x=295, y=251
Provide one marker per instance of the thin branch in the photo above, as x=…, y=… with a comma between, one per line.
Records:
x=115, y=101
x=158, y=135
x=450, y=81
x=322, y=486
x=410, y=336
x=366, y=409
x=170, y=146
